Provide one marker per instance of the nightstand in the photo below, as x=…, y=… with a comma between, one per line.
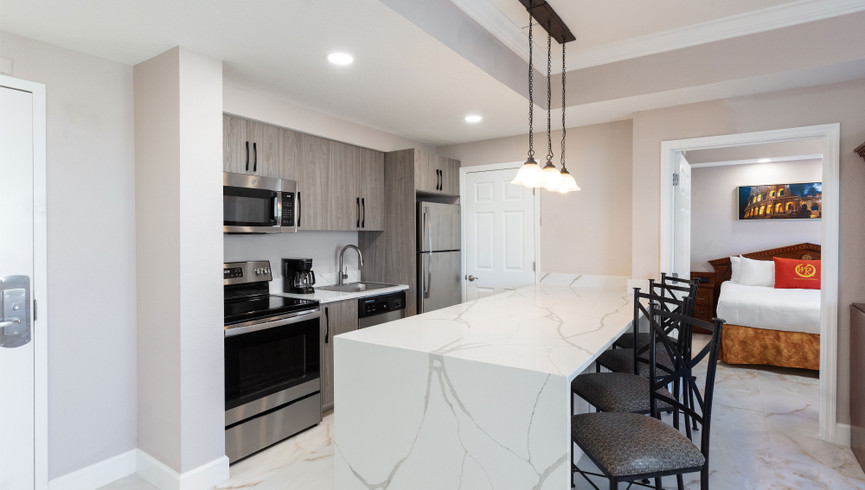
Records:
x=704, y=309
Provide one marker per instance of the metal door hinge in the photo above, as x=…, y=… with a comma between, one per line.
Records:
x=533, y=266
x=676, y=179
x=35, y=311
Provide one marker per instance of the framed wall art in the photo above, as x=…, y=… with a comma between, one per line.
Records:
x=781, y=201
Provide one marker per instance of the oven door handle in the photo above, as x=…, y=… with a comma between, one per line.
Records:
x=300, y=316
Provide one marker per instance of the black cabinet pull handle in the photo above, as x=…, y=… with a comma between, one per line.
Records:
x=299, y=208
x=358, y=212
x=247, y=156
x=441, y=179
x=255, y=157
x=363, y=206
x=326, y=326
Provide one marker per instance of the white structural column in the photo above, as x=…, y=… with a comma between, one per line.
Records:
x=178, y=213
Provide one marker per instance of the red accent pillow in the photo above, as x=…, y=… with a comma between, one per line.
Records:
x=796, y=273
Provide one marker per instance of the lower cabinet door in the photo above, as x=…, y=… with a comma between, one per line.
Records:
x=336, y=318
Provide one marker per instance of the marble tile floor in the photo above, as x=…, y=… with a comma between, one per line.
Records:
x=764, y=436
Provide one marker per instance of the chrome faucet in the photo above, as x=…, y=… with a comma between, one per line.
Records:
x=340, y=273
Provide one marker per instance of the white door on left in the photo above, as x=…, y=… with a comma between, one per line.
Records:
x=17, y=451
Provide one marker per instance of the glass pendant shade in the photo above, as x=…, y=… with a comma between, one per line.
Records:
x=567, y=183
x=529, y=175
x=551, y=178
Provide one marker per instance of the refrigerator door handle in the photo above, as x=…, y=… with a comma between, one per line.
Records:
x=428, y=222
x=428, y=280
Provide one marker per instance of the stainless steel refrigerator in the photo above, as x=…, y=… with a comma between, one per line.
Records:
x=438, y=261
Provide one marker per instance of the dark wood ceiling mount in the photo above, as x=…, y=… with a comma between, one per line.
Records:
x=547, y=18
x=861, y=150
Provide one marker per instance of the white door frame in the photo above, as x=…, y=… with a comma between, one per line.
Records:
x=40, y=276
x=537, y=214
x=830, y=135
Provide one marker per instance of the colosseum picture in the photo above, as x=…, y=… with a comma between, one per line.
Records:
x=783, y=201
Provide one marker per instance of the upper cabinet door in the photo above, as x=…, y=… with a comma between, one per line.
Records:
x=250, y=147
x=291, y=154
x=264, y=140
x=451, y=175
x=371, y=189
x=426, y=174
x=341, y=191
x=235, y=155
x=313, y=179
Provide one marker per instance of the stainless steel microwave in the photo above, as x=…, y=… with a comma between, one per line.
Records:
x=256, y=204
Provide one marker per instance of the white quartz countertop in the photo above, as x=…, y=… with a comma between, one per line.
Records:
x=323, y=296
x=557, y=330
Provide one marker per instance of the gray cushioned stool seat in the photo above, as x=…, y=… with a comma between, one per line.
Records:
x=626, y=341
x=617, y=392
x=627, y=444
x=622, y=361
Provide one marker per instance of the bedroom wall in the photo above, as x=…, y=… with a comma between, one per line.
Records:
x=715, y=228
x=834, y=103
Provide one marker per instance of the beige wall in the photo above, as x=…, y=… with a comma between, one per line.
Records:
x=91, y=251
x=837, y=103
x=716, y=230
x=585, y=232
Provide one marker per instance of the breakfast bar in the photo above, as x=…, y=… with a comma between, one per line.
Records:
x=472, y=396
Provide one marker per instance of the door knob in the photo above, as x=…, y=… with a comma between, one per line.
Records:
x=472, y=278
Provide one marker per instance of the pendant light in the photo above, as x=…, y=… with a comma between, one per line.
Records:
x=551, y=178
x=567, y=183
x=529, y=174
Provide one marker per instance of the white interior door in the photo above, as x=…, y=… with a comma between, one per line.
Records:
x=17, y=391
x=682, y=218
x=499, y=220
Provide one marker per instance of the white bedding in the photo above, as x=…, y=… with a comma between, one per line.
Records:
x=790, y=310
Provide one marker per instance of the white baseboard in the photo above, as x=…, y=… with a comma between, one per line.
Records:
x=842, y=434
x=97, y=475
x=148, y=467
x=164, y=477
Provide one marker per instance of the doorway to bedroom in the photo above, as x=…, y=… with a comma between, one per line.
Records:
x=718, y=204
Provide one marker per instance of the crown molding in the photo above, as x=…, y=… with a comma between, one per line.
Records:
x=488, y=15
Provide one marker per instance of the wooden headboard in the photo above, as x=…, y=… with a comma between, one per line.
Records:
x=806, y=251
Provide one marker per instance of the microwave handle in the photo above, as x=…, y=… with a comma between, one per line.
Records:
x=299, y=208
x=277, y=209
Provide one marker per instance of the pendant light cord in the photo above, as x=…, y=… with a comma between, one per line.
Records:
x=549, y=95
x=531, y=84
x=564, y=129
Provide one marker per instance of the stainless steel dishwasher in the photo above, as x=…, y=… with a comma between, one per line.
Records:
x=382, y=308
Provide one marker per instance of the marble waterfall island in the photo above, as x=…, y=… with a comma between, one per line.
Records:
x=474, y=396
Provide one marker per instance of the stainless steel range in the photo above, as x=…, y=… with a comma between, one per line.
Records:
x=272, y=385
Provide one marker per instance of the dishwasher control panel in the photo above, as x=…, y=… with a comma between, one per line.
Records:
x=377, y=305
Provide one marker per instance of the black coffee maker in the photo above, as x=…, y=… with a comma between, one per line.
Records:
x=297, y=276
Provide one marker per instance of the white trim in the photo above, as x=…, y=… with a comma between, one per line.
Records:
x=163, y=476
x=830, y=134
x=794, y=158
x=537, y=215
x=40, y=275
x=98, y=474
x=842, y=434
x=511, y=34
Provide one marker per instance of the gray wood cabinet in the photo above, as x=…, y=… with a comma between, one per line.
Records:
x=313, y=178
x=336, y=318
x=341, y=191
x=436, y=174
x=291, y=154
x=370, y=189
x=250, y=147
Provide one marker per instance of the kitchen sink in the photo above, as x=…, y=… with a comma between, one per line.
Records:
x=354, y=287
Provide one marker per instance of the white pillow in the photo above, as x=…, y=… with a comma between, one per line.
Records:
x=756, y=272
x=735, y=269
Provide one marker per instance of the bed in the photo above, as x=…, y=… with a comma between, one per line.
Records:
x=775, y=327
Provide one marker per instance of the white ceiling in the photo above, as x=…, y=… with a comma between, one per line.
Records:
x=417, y=72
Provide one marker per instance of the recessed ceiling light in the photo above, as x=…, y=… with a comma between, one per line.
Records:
x=474, y=118
x=764, y=160
x=341, y=59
